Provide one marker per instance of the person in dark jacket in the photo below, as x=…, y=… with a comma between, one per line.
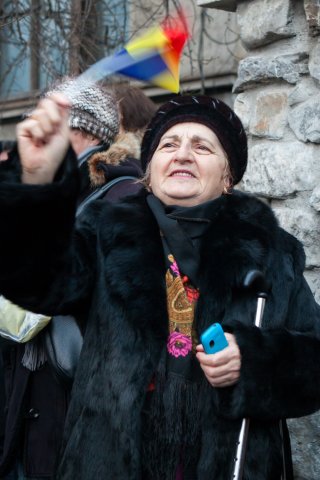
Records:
x=136, y=110
x=151, y=273
x=36, y=404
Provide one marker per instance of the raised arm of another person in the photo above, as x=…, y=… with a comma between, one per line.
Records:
x=43, y=140
x=40, y=268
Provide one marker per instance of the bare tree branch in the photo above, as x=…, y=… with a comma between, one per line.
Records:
x=52, y=38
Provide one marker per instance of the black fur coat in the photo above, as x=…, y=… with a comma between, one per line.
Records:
x=115, y=271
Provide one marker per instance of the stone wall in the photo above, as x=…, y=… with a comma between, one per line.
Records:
x=278, y=98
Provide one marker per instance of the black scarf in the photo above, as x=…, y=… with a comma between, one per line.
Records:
x=171, y=417
x=182, y=229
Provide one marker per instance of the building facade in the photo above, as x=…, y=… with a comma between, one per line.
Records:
x=43, y=40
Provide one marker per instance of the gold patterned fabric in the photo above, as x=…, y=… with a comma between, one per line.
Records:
x=181, y=302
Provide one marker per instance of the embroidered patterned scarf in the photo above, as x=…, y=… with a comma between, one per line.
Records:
x=171, y=418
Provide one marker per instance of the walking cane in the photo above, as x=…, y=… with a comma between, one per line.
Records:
x=256, y=281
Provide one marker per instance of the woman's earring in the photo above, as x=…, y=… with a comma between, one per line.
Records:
x=227, y=190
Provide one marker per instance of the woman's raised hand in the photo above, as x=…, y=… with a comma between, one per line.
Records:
x=43, y=140
x=222, y=369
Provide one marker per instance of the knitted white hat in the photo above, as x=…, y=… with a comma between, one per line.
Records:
x=94, y=109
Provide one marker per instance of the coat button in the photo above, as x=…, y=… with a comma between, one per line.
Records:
x=33, y=413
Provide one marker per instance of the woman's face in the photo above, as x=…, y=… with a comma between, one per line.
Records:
x=189, y=166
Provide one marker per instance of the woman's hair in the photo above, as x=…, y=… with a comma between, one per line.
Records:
x=136, y=108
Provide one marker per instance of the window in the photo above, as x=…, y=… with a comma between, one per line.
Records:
x=41, y=40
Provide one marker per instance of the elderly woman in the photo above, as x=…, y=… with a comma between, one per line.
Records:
x=151, y=274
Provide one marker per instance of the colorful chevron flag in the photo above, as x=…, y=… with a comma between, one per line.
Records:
x=153, y=57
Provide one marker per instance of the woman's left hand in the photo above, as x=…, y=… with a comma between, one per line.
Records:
x=222, y=369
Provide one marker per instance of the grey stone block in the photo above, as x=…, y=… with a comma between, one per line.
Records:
x=264, y=21
x=304, y=120
x=254, y=71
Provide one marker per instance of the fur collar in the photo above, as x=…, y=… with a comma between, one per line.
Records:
x=243, y=235
x=126, y=145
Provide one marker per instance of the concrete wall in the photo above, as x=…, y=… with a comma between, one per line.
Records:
x=214, y=41
x=278, y=99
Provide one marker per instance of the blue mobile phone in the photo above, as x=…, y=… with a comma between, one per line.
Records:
x=213, y=339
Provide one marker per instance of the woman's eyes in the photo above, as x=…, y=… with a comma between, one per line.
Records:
x=197, y=147
x=202, y=147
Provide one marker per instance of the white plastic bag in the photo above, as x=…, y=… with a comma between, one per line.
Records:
x=18, y=324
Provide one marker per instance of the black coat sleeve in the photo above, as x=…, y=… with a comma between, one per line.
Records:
x=280, y=371
x=44, y=265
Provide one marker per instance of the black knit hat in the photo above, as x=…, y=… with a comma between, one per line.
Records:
x=208, y=111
